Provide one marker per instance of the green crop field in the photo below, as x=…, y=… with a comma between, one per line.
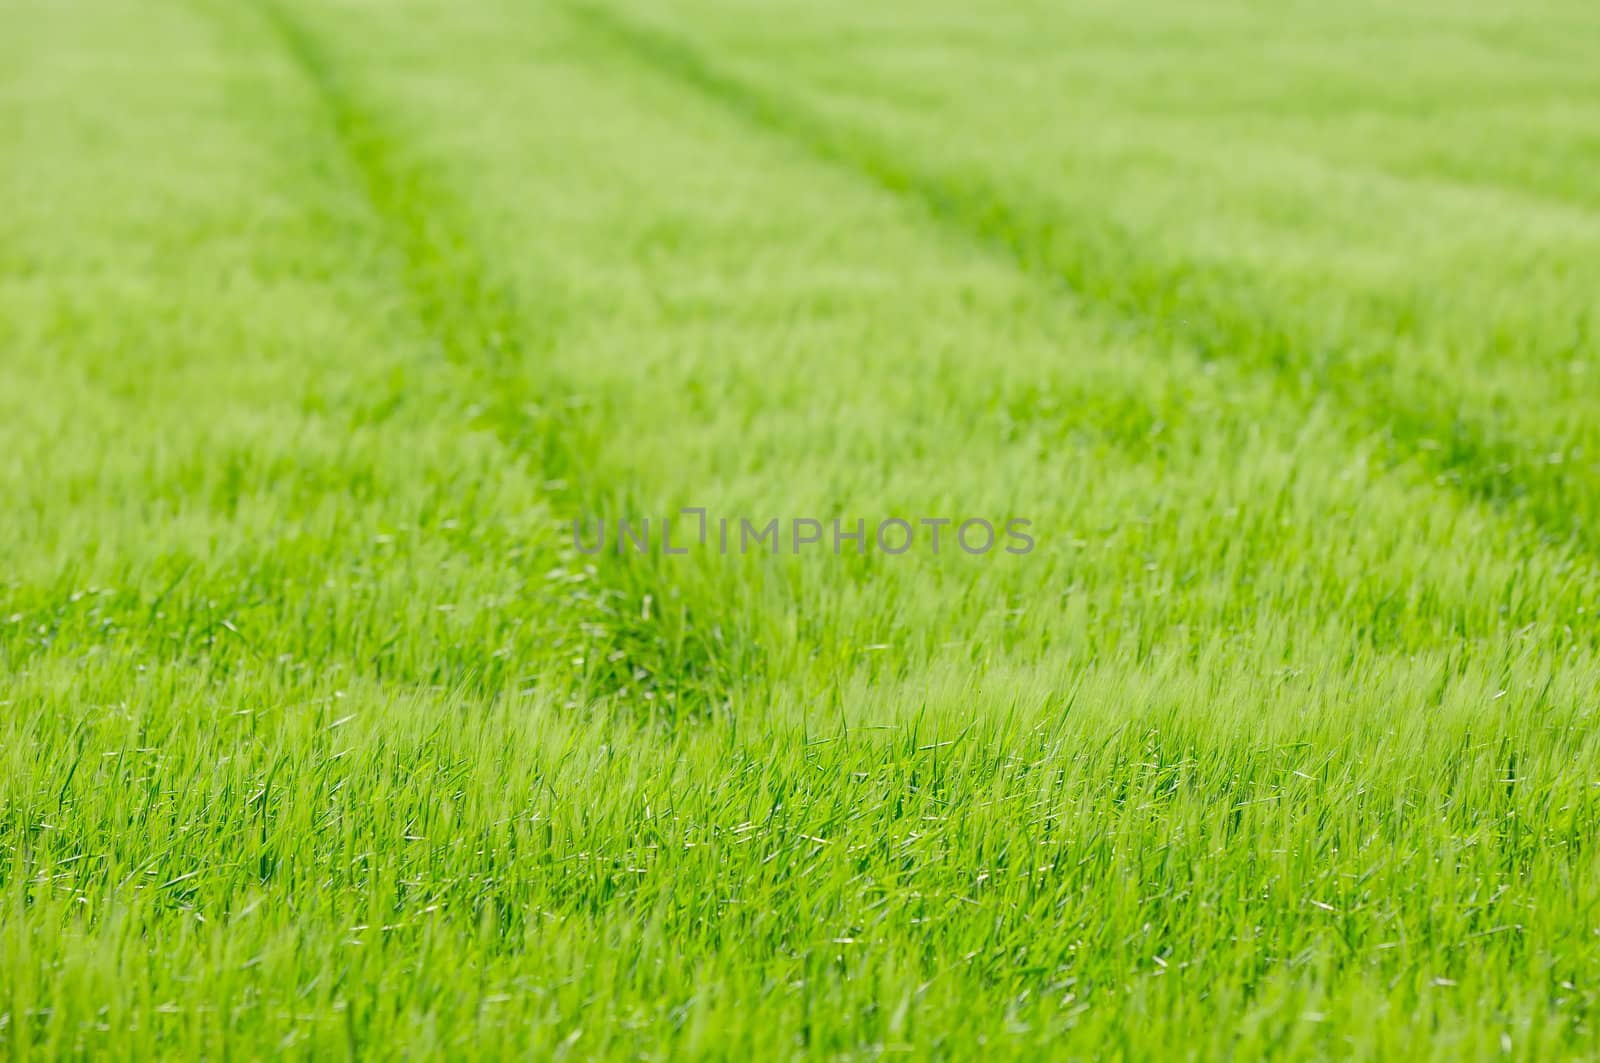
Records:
x=1262, y=337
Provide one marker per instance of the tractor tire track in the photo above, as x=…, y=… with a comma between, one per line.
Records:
x=494, y=334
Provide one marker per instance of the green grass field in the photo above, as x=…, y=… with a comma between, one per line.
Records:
x=321, y=322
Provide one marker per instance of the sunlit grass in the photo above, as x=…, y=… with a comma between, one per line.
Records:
x=319, y=324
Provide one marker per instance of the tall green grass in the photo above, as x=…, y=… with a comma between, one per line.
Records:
x=320, y=323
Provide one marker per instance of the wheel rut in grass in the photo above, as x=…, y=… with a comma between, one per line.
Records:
x=502, y=339
x=1098, y=264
